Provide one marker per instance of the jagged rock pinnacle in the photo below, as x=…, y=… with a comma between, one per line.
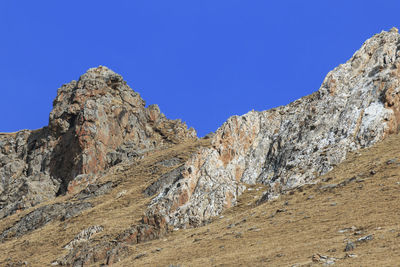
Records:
x=102, y=73
x=96, y=122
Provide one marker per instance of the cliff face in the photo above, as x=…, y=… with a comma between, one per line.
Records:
x=356, y=106
x=96, y=122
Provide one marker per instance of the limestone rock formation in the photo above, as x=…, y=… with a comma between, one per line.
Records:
x=288, y=146
x=96, y=122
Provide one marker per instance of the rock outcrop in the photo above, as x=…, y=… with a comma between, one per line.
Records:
x=96, y=122
x=42, y=216
x=288, y=146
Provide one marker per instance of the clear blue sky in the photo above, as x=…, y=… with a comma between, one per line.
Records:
x=199, y=60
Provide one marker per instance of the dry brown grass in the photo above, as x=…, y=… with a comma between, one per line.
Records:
x=307, y=225
x=283, y=232
x=41, y=247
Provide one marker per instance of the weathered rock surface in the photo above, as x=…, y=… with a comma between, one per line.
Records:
x=96, y=122
x=83, y=253
x=163, y=183
x=25, y=154
x=42, y=216
x=84, y=236
x=356, y=106
x=94, y=190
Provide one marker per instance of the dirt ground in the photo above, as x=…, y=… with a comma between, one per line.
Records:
x=307, y=226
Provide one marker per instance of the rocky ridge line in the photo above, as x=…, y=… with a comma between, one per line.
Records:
x=288, y=146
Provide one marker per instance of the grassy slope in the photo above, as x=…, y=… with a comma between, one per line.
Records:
x=41, y=247
x=308, y=222
x=284, y=232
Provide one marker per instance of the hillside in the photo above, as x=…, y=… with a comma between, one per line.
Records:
x=116, y=203
x=358, y=198
x=111, y=181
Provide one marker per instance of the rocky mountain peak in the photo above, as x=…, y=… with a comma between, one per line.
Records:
x=97, y=87
x=96, y=122
x=101, y=72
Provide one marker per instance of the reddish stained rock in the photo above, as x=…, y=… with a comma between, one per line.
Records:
x=357, y=105
x=105, y=115
x=96, y=122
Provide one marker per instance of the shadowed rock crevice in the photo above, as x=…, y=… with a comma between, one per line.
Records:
x=162, y=185
x=65, y=163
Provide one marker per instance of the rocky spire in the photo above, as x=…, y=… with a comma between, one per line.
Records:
x=357, y=105
x=96, y=122
x=99, y=115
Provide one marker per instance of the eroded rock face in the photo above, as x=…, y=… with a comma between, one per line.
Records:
x=102, y=121
x=24, y=170
x=84, y=236
x=96, y=122
x=84, y=253
x=356, y=106
x=42, y=216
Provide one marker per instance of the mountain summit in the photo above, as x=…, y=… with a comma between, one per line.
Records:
x=96, y=123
